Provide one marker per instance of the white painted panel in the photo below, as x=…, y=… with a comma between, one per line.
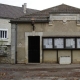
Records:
x=65, y=60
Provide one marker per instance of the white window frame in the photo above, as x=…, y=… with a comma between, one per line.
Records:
x=4, y=34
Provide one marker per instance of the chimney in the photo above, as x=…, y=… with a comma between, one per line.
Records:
x=24, y=8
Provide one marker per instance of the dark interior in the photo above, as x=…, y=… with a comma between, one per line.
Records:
x=34, y=49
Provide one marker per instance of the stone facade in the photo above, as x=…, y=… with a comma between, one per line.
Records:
x=4, y=24
x=56, y=22
x=59, y=28
x=7, y=58
x=6, y=14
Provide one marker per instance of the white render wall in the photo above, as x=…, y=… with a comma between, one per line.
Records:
x=4, y=24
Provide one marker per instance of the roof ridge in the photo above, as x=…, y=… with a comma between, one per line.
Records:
x=70, y=6
x=61, y=5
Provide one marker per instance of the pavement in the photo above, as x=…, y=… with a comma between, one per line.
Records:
x=39, y=72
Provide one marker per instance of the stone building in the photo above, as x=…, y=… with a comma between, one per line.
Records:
x=47, y=36
x=8, y=12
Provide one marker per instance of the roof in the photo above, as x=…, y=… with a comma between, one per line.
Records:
x=43, y=16
x=8, y=11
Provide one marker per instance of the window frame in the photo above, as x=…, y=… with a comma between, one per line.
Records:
x=64, y=43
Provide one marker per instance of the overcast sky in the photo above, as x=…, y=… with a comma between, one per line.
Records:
x=41, y=4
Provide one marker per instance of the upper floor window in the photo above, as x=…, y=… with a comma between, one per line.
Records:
x=3, y=33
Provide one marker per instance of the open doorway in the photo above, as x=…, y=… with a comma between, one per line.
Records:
x=34, y=49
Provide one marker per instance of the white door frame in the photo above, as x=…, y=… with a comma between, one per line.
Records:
x=26, y=44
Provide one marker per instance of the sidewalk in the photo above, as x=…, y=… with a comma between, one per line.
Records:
x=42, y=65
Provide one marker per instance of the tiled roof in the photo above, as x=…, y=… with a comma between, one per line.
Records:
x=44, y=14
x=8, y=11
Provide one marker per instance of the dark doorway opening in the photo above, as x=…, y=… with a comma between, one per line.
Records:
x=34, y=49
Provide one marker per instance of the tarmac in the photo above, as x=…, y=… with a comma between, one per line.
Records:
x=39, y=71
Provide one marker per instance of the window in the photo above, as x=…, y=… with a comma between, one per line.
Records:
x=70, y=43
x=3, y=33
x=47, y=43
x=58, y=43
x=78, y=42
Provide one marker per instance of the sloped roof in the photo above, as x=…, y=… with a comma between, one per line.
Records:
x=8, y=11
x=44, y=14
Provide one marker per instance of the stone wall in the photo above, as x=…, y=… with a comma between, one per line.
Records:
x=6, y=59
x=59, y=28
x=4, y=24
x=21, y=29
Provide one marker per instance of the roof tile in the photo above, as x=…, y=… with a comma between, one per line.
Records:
x=44, y=14
x=8, y=11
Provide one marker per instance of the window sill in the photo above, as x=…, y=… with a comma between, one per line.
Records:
x=3, y=40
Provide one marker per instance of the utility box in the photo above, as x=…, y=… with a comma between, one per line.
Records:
x=65, y=60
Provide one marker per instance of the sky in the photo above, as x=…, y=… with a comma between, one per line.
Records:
x=41, y=4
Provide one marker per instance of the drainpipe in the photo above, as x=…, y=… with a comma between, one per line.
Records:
x=16, y=44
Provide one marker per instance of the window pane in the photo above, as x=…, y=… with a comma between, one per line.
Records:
x=1, y=35
x=70, y=43
x=78, y=42
x=58, y=43
x=47, y=43
x=5, y=34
